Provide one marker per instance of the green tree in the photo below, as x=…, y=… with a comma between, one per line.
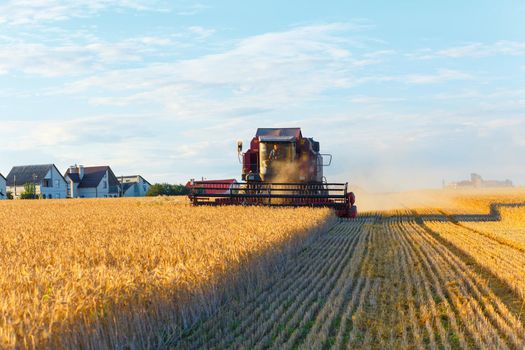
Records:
x=29, y=191
x=166, y=189
x=179, y=190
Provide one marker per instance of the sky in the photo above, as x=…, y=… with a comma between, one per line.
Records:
x=403, y=94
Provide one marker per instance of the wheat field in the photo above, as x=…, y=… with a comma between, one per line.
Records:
x=112, y=273
x=425, y=270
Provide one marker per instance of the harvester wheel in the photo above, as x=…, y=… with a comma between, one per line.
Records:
x=352, y=212
x=351, y=198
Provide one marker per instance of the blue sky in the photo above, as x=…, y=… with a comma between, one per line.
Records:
x=403, y=94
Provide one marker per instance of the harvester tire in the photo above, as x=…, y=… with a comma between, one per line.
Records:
x=352, y=212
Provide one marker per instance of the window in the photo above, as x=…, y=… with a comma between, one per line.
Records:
x=50, y=196
x=47, y=183
x=57, y=183
x=105, y=184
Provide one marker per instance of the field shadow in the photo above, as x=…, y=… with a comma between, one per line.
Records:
x=512, y=300
x=508, y=296
x=493, y=215
x=158, y=322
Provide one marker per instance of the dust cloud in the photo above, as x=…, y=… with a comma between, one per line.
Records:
x=285, y=171
x=441, y=199
x=378, y=201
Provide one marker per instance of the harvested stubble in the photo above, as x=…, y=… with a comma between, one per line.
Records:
x=367, y=284
x=388, y=280
x=510, y=230
x=503, y=259
x=131, y=272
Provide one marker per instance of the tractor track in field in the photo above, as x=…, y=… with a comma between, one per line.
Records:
x=379, y=282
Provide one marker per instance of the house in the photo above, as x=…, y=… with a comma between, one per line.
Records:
x=91, y=182
x=134, y=186
x=46, y=179
x=3, y=187
x=476, y=181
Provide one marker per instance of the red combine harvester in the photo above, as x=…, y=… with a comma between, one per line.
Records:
x=281, y=168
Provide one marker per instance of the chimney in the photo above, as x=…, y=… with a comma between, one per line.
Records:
x=72, y=192
x=80, y=172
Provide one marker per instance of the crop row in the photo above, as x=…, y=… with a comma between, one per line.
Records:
x=368, y=283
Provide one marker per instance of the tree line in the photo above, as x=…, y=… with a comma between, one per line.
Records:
x=163, y=189
x=166, y=189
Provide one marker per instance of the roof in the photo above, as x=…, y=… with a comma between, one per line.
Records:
x=276, y=138
x=294, y=132
x=73, y=176
x=92, y=176
x=126, y=186
x=2, y=176
x=132, y=177
x=28, y=174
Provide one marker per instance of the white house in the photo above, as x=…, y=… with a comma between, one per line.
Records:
x=91, y=182
x=134, y=186
x=3, y=187
x=46, y=179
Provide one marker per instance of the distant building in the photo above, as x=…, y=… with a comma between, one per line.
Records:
x=48, y=182
x=3, y=187
x=134, y=186
x=476, y=181
x=91, y=182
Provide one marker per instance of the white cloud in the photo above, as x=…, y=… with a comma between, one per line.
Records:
x=21, y=12
x=268, y=71
x=456, y=95
x=192, y=9
x=201, y=32
x=473, y=50
x=374, y=99
x=79, y=53
x=441, y=76
x=76, y=131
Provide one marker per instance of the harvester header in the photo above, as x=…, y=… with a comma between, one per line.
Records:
x=281, y=168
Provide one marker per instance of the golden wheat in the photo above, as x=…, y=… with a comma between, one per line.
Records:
x=79, y=273
x=445, y=273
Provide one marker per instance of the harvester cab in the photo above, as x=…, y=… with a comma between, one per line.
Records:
x=280, y=168
x=283, y=155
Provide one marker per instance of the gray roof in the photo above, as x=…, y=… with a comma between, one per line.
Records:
x=276, y=138
x=295, y=132
x=132, y=177
x=73, y=176
x=127, y=186
x=92, y=176
x=28, y=174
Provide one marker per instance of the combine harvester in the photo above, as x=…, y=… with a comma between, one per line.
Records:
x=281, y=168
